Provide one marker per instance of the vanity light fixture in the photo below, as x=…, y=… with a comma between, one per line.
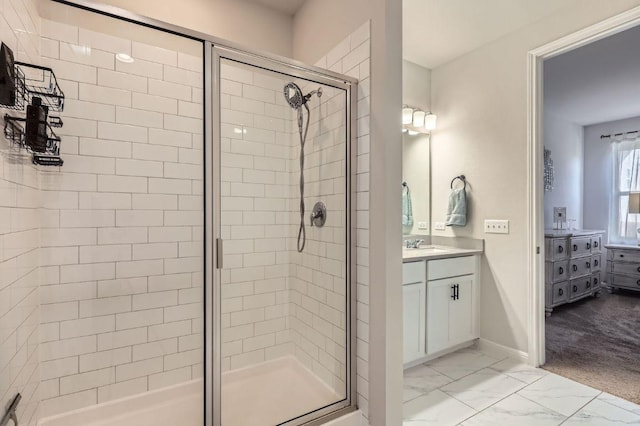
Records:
x=417, y=121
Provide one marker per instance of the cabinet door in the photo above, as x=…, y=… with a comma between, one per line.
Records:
x=414, y=338
x=461, y=312
x=439, y=294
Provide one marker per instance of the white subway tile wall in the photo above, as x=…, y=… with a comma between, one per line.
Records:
x=122, y=238
x=352, y=57
x=19, y=238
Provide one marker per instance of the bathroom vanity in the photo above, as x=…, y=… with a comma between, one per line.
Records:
x=440, y=287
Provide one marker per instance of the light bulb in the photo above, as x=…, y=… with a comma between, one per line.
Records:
x=430, y=121
x=418, y=118
x=412, y=133
x=407, y=115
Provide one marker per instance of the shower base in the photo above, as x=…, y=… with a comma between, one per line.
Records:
x=264, y=394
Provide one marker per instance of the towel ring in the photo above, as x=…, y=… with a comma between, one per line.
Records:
x=462, y=178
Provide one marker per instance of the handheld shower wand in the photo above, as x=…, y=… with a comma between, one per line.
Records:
x=297, y=100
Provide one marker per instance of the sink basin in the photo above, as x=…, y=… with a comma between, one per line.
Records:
x=430, y=249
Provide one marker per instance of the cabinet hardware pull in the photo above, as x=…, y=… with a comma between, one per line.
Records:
x=588, y=264
x=622, y=255
x=560, y=291
x=588, y=284
x=595, y=244
x=453, y=291
x=638, y=268
x=595, y=262
x=561, y=270
x=575, y=288
x=575, y=268
x=595, y=281
x=560, y=249
x=575, y=247
x=588, y=246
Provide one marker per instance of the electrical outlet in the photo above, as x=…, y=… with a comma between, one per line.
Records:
x=496, y=226
x=439, y=226
x=423, y=226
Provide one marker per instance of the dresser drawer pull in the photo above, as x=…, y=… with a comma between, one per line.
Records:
x=638, y=269
x=560, y=291
x=561, y=270
x=588, y=284
x=560, y=249
x=622, y=255
x=575, y=247
x=595, y=244
x=595, y=262
x=575, y=288
x=575, y=268
x=595, y=281
x=588, y=264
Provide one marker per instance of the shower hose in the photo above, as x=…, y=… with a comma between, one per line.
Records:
x=302, y=233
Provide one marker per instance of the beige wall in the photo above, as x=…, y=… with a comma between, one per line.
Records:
x=320, y=25
x=250, y=24
x=482, y=112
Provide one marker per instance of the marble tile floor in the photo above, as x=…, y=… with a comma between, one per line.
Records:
x=472, y=388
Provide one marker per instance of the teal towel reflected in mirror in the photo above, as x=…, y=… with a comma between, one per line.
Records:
x=457, y=208
x=407, y=208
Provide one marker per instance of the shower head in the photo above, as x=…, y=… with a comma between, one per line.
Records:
x=294, y=96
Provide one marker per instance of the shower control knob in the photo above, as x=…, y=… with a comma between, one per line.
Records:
x=319, y=214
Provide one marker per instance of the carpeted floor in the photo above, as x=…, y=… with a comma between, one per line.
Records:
x=596, y=342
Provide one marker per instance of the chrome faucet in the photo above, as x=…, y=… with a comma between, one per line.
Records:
x=413, y=243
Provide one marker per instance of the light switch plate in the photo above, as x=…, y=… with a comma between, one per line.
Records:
x=438, y=226
x=496, y=226
x=423, y=226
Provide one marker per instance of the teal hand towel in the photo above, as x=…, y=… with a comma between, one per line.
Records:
x=407, y=208
x=457, y=209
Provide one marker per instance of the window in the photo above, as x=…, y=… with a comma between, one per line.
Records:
x=624, y=225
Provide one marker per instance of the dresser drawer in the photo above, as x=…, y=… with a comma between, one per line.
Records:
x=579, y=286
x=596, y=262
x=559, y=293
x=557, y=271
x=413, y=272
x=626, y=268
x=624, y=281
x=596, y=243
x=580, y=246
x=580, y=266
x=596, y=280
x=557, y=249
x=624, y=255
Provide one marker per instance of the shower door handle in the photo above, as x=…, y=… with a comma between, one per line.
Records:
x=219, y=253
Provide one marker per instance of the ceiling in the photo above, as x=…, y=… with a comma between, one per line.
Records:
x=438, y=31
x=596, y=83
x=289, y=7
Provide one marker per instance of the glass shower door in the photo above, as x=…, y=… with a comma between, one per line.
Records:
x=284, y=285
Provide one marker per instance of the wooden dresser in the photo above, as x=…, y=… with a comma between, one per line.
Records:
x=623, y=267
x=573, y=261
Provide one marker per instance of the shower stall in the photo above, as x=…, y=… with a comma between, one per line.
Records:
x=198, y=243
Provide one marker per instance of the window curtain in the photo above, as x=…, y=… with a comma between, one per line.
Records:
x=626, y=169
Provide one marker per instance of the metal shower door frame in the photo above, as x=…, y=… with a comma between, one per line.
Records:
x=294, y=70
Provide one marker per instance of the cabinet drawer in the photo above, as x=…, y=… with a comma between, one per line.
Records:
x=596, y=243
x=559, y=293
x=557, y=249
x=579, y=286
x=580, y=246
x=557, y=271
x=624, y=255
x=596, y=262
x=580, y=266
x=454, y=267
x=413, y=272
x=625, y=281
x=626, y=268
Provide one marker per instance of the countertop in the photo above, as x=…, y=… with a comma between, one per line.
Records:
x=571, y=233
x=432, y=252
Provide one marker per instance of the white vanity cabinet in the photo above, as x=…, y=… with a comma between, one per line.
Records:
x=414, y=296
x=440, y=306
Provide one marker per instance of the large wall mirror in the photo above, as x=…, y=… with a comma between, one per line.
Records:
x=416, y=173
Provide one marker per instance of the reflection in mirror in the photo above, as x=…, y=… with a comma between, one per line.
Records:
x=416, y=195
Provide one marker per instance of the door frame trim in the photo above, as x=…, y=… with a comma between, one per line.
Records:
x=535, y=146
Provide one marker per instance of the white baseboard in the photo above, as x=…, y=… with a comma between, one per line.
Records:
x=352, y=419
x=498, y=350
